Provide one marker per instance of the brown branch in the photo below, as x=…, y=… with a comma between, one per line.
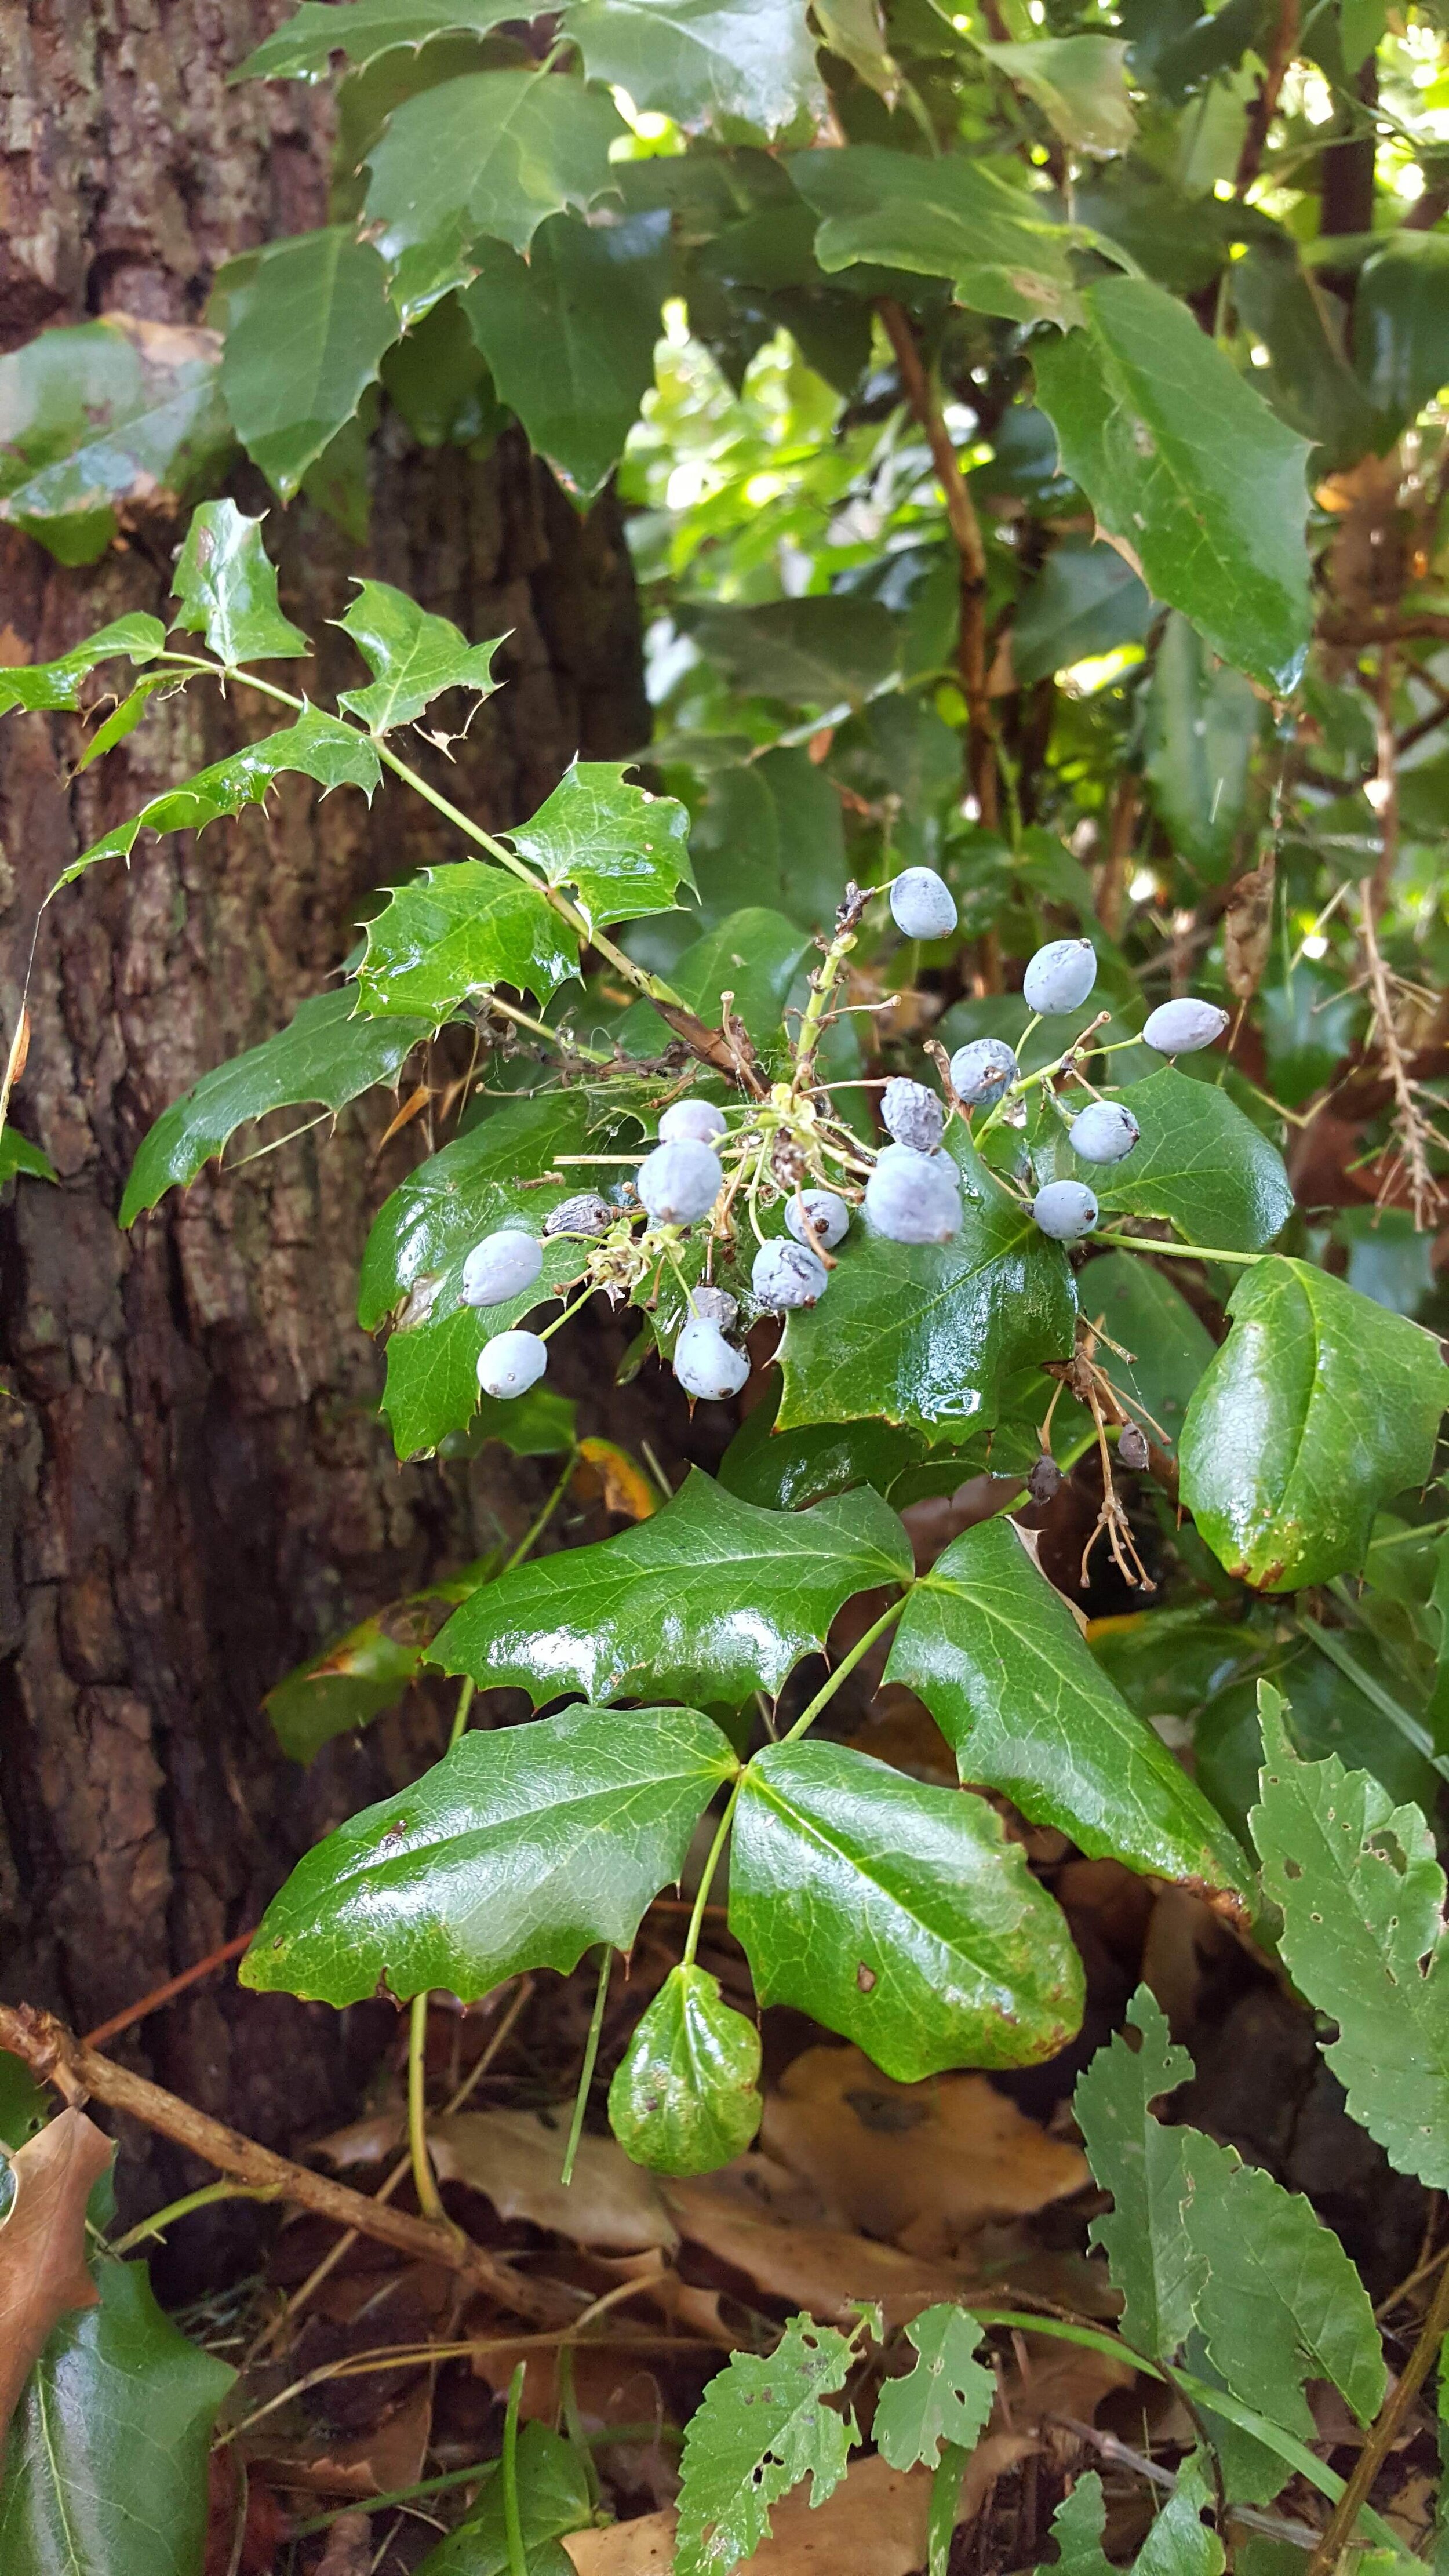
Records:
x=1265, y=105
x=166, y=1994
x=1397, y=627
x=79, y=2072
x=1121, y=832
x=1426, y=1192
x=1339, y=2529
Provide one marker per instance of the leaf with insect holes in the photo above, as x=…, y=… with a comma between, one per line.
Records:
x=898, y=1915
x=761, y=2426
x=711, y=1598
x=453, y=934
x=945, y=2397
x=521, y=1849
x=1200, y=1164
x=685, y=2097
x=227, y=585
x=306, y=335
x=104, y=424
x=303, y=46
x=621, y=851
x=329, y=1053
x=413, y=657
x=57, y=685
x=1017, y=1692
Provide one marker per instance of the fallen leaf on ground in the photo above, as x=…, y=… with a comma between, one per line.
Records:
x=43, y=2271
x=349, y=2547
x=873, y=2525
x=514, y=2157
x=924, y=2165
x=1050, y=2380
x=389, y=2455
x=824, y=2269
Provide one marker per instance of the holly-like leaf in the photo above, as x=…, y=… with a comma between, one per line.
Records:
x=453, y=934
x=754, y=956
x=413, y=657
x=945, y=217
x=1019, y=1696
x=18, y=1154
x=620, y=851
x=366, y=1672
x=1169, y=1344
x=1154, y=2263
x=1086, y=600
x=711, y=1599
x=1362, y=1894
x=1202, y=724
x=1188, y=470
x=522, y=1848
x=227, y=585
x=1318, y=1409
x=105, y=423
x=43, y=2274
x=1201, y=1165
x=57, y=685
x=1080, y=85
x=316, y=746
x=569, y=335
x=106, y=2468
x=328, y=1053
x=685, y=2098
x=897, y=1915
x=424, y=1232
x=303, y=48
x=761, y=2426
x=306, y=335
x=553, y=2497
x=946, y=2397
x=784, y=1470
x=749, y=62
x=831, y=653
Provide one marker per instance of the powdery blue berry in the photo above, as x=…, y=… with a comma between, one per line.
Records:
x=788, y=1274
x=829, y=1215
x=715, y=1306
x=1180, y=1028
x=697, y=1118
x=681, y=1181
x=1066, y=1210
x=705, y=1364
x=922, y=904
x=500, y=1267
x=913, y=1198
x=586, y=1213
x=511, y=1363
x=1104, y=1131
x=913, y=1115
x=1059, y=977
x=983, y=1071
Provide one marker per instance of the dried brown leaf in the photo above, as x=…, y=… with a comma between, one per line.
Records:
x=43, y=2271
x=824, y=2269
x=608, y=1471
x=515, y=2157
x=1248, y=928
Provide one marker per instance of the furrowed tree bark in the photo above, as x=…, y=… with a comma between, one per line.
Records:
x=197, y=1491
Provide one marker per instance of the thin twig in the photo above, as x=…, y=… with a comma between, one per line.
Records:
x=1265, y=105
x=1382, y=2438
x=1425, y=1189
x=166, y=1994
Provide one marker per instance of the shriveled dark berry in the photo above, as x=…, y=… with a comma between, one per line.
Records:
x=1045, y=1479
x=1132, y=1446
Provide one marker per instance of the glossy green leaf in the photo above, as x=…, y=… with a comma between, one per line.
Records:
x=1187, y=470
x=412, y=655
x=522, y=1848
x=24, y=2104
x=1200, y=1164
x=57, y=685
x=1077, y=2527
x=854, y=29
x=1318, y=1409
x=305, y=338
x=226, y=583
x=621, y=852
x=438, y=378
x=1307, y=1023
x=769, y=833
x=302, y=48
x=329, y=1053
x=423, y=1233
x=1400, y=322
x=103, y=423
x=685, y=2098
x=1154, y=2263
x=316, y=746
x=784, y=1470
x=105, y=2469
x=453, y=934
x=754, y=956
x=945, y=217
x=711, y=1599
x=761, y=2426
x=1084, y=601
x=1080, y=85
x=553, y=2497
x=18, y=1154
x=897, y=1915
x=1018, y=1694
x=569, y=335
x=1307, y=378
x=1202, y=724
x=702, y=61
x=1362, y=1896
x=1148, y=1317
x=367, y=1671
x=829, y=653
x=945, y=2397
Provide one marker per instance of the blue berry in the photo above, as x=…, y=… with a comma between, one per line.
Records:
x=511, y=1363
x=697, y=1118
x=913, y=1198
x=1180, y=1028
x=1059, y=977
x=829, y=1215
x=983, y=1070
x=715, y=1306
x=705, y=1364
x=1104, y=1131
x=1066, y=1210
x=680, y=1182
x=913, y=1115
x=922, y=904
x=500, y=1267
x=788, y=1274
x=586, y=1213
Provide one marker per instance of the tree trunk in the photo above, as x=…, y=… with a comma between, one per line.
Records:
x=197, y=1488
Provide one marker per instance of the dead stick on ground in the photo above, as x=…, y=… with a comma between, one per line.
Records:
x=1384, y=2434
x=59, y=2058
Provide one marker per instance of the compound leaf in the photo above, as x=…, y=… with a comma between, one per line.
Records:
x=1201, y=1165
x=522, y=1848
x=1017, y=1692
x=946, y=217
x=621, y=851
x=306, y=335
x=56, y=686
x=1154, y=2264
x=412, y=655
x=227, y=585
x=761, y=2426
x=946, y=2397
x=454, y=933
x=899, y=1916
x=105, y=422
x=685, y=2098
x=748, y=61
x=1320, y=1406
x=569, y=335
x=303, y=48
x=712, y=1598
